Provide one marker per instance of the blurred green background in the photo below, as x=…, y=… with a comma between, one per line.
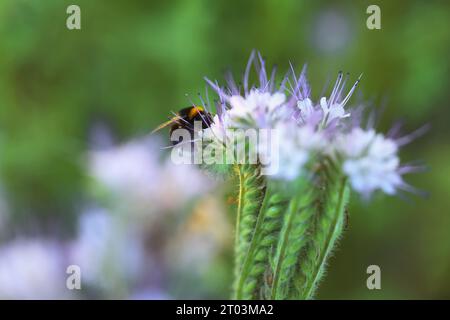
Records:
x=133, y=62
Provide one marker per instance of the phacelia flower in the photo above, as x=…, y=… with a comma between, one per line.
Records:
x=292, y=201
x=296, y=145
x=257, y=108
x=371, y=161
x=307, y=110
x=218, y=130
x=306, y=130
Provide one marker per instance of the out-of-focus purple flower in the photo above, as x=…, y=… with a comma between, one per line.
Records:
x=332, y=31
x=202, y=238
x=32, y=269
x=109, y=253
x=129, y=169
x=135, y=175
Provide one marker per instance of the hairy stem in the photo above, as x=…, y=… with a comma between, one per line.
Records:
x=284, y=237
x=293, y=207
x=252, y=188
x=332, y=235
x=324, y=230
x=251, y=250
x=239, y=207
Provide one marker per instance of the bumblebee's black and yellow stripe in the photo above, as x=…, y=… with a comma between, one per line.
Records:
x=185, y=118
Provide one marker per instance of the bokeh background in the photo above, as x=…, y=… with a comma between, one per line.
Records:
x=82, y=182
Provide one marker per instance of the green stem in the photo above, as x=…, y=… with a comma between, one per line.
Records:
x=252, y=187
x=251, y=250
x=333, y=234
x=237, y=262
x=239, y=206
x=281, y=249
x=293, y=208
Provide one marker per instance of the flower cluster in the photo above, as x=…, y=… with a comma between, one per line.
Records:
x=306, y=129
x=133, y=173
x=143, y=211
x=33, y=269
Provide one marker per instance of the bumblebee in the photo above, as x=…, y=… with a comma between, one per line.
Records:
x=185, y=119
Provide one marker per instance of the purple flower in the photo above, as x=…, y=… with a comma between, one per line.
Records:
x=305, y=129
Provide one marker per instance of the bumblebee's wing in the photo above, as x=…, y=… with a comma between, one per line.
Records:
x=167, y=123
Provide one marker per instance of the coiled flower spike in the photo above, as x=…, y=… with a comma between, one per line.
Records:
x=291, y=212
